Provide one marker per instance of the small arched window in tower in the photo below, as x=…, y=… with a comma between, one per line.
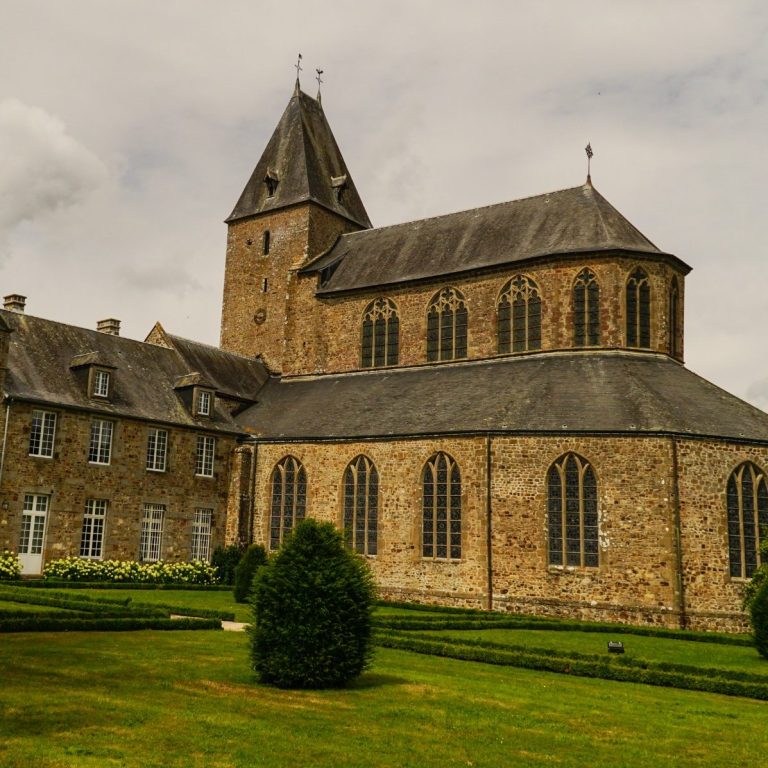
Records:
x=638, y=310
x=289, y=499
x=586, y=310
x=747, y=518
x=447, y=326
x=441, y=509
x=380, y=338
x=265, y=242
x=572, y=512
x=674, y=318
x=361, y=505
x=519, y=316
x=271, y=181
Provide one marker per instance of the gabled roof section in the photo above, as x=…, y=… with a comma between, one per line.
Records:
x=571, y=221
x=41, y=354
x=301, y=163
x=549, y=393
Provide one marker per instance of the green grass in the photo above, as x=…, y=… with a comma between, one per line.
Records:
x=189, y=699
x=740, y=658
x=12, y=607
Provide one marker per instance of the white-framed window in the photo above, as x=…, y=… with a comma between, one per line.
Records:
x=201, y=534
x=42, y=434
x=33, y=524
x=157, y=449
x=92, y=539
x=205, y=450
x=100, y=383
x=203, y=402
x=100, y=448
x=150, y=544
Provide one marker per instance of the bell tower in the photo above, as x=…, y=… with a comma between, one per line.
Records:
x=299, y=199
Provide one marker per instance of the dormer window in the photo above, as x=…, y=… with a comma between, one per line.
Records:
x=271, y=181
x=204, y=402
x=100, y=383
x=339, y=184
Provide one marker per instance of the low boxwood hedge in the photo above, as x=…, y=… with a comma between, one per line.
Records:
x=98, y=624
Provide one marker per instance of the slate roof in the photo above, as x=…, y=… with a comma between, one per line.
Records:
x=571, y=221
x=304, y=159
x=584, y=392
x=42, y=352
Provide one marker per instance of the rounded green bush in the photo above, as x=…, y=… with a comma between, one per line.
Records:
x=312, y=607
x=225, y=560
x=758, y=610
x=255, y=556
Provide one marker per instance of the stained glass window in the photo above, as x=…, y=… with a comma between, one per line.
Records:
x=638, y=310
x=447, y=320
x=289, y=499
x=381, y=329
x=361, y=505
x=747, y=501
x=519, y=316
x=586, y=310
x=441, y=529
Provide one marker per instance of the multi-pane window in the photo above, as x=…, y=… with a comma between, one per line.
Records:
x=586, y=310
x=33, y=524
x=100, y=447
x=519, y=316
x=150, y=544
x=361, y=505
x=201, y=534
x=441, y=508
x=447, y=326
x=42, y=434
x=203, y=403
x=381, y=328
x=101, y=383
x=638, y=309
x=572, y=512
x=157, y=449
x=92, y=538
x=206, y=447
x=674, y=330
x=747, y=495
x=289, y=499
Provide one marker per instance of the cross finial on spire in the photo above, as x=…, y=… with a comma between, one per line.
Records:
x=298, y=68
x=320, y=81
x=588, y=150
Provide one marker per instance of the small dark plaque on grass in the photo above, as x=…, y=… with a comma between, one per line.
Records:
x=614, y=646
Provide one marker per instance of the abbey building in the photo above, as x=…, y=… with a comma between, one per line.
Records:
x=492, y=405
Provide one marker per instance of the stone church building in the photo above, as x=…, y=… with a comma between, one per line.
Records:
x=491, y=404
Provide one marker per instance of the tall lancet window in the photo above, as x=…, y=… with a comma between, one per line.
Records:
x=441, y=508
x=519, y=316
x=747, y=495
x=447, y=326
x=361, y=505
x=572, y=512
x=674, y=319
x=289, y=499
x=638, y=310
x=586, y=310
x=381, y=330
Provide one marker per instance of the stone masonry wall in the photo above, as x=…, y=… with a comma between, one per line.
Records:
x=69, y=480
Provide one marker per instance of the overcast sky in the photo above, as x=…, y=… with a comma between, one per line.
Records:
x=129, y=128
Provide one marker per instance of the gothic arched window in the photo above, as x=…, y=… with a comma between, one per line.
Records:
x=381, y=329
x=441, y=520
x=674, y=303
x=447, y=326
x=289, y=499
x=747, y=518
x=572, y=512
x=586, y=309
x=638, y=309
x=361, y=505
x=519, y=316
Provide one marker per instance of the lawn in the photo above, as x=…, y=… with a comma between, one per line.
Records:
x=189, y=699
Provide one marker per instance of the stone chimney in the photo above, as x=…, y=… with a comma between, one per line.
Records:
x=14, y=302
x=110, y=326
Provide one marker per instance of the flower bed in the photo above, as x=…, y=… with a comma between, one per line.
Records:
x=78, y=569
x=10, y=567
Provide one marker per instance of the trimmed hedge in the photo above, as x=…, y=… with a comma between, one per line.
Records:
x=104, y=625
x=758, y=611
x=603, y=668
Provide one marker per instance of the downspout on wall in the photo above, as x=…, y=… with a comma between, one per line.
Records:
x=489, y=532
x=680, y=581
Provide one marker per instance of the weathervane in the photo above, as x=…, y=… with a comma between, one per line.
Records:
x=320, y=81
x=297, y=65
x=588, y=150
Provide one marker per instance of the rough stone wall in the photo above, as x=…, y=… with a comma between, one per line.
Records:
x=704, y=469
x=338, y=321
x=69, y=480
x=258, y=318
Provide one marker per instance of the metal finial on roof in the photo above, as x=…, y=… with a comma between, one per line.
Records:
x=320, y=81
x=298, y=69
x=588, y=150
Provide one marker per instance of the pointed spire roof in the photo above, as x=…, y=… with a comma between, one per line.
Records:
x=301, y=163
